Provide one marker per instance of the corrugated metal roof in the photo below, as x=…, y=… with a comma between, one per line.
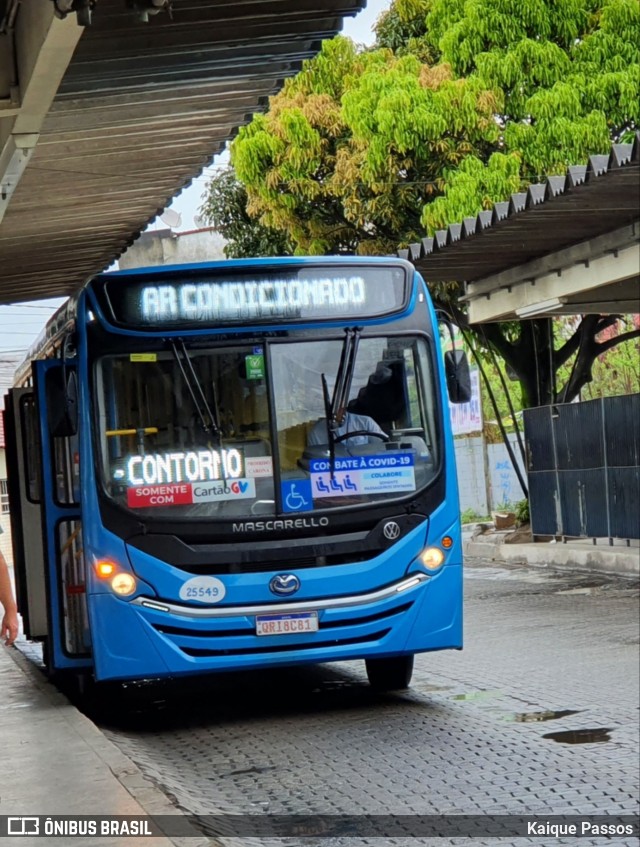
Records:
x=587, y=200
x=141, y=109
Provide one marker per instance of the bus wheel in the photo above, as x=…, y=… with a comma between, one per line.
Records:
x=390, y=674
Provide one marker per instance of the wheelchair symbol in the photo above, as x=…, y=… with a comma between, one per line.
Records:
x=294, y=500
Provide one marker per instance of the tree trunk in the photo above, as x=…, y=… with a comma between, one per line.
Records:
x=535, y=366
x=532, y=357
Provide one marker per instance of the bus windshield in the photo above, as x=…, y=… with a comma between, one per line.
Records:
x=239, y=431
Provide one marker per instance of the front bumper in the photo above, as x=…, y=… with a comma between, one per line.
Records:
x=148, y=637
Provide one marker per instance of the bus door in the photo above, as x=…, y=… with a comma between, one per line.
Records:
x=68, y=638
x=22, y=432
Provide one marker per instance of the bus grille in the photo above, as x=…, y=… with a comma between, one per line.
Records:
x=284, y=648
x=331, y=630
x=260, y=566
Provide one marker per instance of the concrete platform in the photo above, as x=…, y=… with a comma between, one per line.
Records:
x=56, y=762
x=577, y=554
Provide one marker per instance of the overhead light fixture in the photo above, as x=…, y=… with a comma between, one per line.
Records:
x=82, y=8
x=541, y=308
x=144, y=8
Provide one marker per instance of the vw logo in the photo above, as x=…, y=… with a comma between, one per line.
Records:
x=284, y=584
x=391, y=530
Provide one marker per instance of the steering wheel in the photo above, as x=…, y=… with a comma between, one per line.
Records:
x=367, y=432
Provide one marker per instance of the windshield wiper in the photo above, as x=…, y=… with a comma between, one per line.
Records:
x=330, y=422
x=342, y=388
x=209, y=418
x=346, y=369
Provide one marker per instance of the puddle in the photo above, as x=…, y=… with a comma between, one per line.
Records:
x=580, y=736
x=433, y=687
x=535, y=717
x=591, y=589
x=520, y=574
x=476, y=695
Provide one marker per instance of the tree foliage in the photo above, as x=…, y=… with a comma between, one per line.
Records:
x=354, y=147
x=617, y=370
x=460, y=103
x=225, y=207
x=616, y=366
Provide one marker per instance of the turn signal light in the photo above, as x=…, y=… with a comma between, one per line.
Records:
x=447, y=542
x=123, y=584
x=105, y=569
x=432, y=558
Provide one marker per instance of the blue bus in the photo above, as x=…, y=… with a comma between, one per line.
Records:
x=238, y=465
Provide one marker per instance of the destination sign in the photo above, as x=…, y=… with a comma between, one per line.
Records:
x=324, y=292
x=180, y=466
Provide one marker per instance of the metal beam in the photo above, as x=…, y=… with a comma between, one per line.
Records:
x=555, y=262
x=568, y=285
x=44, y=47
x=138, y=113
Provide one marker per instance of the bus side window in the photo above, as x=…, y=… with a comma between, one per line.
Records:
x=71, y=567
x=66, y=469
x=31, y=446
x=62, y=420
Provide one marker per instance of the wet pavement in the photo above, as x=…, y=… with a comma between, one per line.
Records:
x=538, y=715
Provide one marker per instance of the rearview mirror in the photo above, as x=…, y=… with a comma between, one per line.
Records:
x=458, y=376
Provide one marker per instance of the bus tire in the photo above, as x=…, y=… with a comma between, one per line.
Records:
x=390, y=674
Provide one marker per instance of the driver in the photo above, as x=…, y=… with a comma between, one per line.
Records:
x=347, y=422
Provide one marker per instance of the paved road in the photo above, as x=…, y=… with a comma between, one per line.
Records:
x=546, y=653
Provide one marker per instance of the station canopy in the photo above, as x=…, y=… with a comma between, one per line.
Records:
x=108, y=108
x=568, y=245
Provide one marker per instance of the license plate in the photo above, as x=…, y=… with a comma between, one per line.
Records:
x=293, y=624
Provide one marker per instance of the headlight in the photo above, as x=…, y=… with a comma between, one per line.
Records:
x=123, y=584
x=432, y=558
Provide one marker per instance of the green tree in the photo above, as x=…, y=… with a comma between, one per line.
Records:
x=225, y=207
x=461, y=103
x=616, y=369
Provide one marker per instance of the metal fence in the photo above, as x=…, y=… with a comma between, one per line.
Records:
x=583, y=463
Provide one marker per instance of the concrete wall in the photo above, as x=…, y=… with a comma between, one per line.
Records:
x=486, y=477
x=165, y=247
x=504, y=487
x=472, y=480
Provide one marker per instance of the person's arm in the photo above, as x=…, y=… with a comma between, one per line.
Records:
x=317, y=434
x=9, y=626
x=372, y=426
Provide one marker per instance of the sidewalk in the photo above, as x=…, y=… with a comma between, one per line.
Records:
x=577, y=554
x=56, y=762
